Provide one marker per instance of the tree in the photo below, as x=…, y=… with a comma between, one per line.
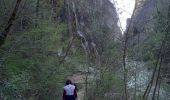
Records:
x=54, y=10
x=9, y=24
x=37, y=12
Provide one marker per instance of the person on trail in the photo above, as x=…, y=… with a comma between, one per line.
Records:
x=69, y=92
x=75, y=86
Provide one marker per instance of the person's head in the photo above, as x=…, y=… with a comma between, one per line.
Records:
x=68, y=82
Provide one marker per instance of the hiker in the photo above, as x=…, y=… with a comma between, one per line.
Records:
x=75, y=86
x=69, y=92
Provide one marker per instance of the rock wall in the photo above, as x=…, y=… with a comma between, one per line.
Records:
x=148, y=26
x=97, y=21
x=111, y=19
x=99, y=14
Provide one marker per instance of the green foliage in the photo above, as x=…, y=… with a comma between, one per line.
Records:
x=30, y=58
x=32, y=55
x=107, y=86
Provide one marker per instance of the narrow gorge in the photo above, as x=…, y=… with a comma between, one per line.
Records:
x=110, y=49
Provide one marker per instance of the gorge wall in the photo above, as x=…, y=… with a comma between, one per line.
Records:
x=148, y=30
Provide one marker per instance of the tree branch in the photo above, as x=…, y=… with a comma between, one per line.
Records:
x=10, y=22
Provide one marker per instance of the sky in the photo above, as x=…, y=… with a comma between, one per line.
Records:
x=124, y=9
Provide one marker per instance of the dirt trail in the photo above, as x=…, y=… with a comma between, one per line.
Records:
x=79, y=78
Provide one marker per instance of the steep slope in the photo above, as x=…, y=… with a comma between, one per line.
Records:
x=95, y=23
x=111, y=19
x=148, y=30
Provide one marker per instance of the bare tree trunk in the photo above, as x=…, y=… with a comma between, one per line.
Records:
x=158, y=76
x=137, y=56
x=149, y=86
x=164, y=44
x=10, y=22
x=125, y=54
x=159, y=88
x=159, y=60
x=21, y=23
x=3, y=75
x=124, y=67
x=54, y=10
x=37, y=13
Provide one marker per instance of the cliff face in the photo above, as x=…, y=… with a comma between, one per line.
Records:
x=96, y=23
x=100, y=14
x=111, y=19
x=148, y=30
x=144, y=14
